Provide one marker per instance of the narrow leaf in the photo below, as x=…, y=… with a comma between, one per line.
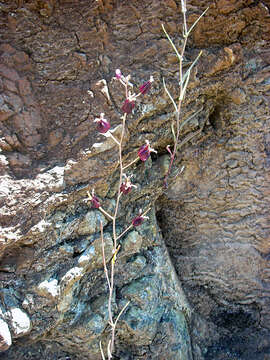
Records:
x=196, y=22
x=167, y=91
x=121, y=312
x=191, y=66
x=171, y=42
x=181, y=97
x=173, y=132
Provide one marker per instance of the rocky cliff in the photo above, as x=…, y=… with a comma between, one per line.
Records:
x=197, y=273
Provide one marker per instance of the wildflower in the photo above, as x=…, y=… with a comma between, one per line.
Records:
x=126, y=186
x=144, y=151
x=124, y=80
x=103, y=124
x=118, y=74
x=138, y=220
x=144, y=88
x=94, y=200
x=128, y=106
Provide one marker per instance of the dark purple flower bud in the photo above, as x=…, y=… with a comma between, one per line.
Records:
x=144, y=151
x=126, y=185
x=118, y=74
x=103, y=124
x=95, y=202
x=125, y=188
x=138, y=220
x=128, y=106
x=144, y=88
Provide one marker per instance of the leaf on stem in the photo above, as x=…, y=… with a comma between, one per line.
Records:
x=196, y=22
x=121, y=312
x=169, y=150
x=170, y=96
x=183, y=90
x=191, y=66
x=171, y=42
x=173, y=132
x=115, y=254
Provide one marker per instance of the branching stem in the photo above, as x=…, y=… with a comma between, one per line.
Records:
x=183, y=83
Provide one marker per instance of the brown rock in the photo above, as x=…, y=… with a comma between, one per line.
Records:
x=18, y=160
x=11, y=74
x=213, y=218
x=24, y=87
x=55, y=137
x=10, y=86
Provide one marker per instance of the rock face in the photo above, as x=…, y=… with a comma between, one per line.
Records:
x=197, y=272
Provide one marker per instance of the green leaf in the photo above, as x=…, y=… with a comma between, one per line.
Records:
x=196, y=22
x=171, y=42
x=170, y=96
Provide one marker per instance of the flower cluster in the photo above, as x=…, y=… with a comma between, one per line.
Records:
x=104, y=126
x=129, y=102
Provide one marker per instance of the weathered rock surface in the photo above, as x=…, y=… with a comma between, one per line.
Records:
x=57, y=62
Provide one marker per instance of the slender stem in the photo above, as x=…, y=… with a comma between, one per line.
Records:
x=114, y=139
x=120, y=181
x=181, y=97
x=101, y=350
x=131, y=163
x=183, y=82
x=123, y=233
x=105, y=213
x=109, y=350
x=111, y=288
x=103, y=255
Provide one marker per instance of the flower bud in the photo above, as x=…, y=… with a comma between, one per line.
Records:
x=144, y=151
x=138, y=220
x=144, y=88
x=95, y=202
x=128, y=106
x=103, y=124
x=126, y=185
x=118, y=74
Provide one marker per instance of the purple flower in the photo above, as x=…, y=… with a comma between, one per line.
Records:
x=128, y=106
x=118, y=74
x=144, y=151
x=144, y=88
x=126, y=185
x=103, y=124
x=138, y=220
x=125, y=188
x=95, y=202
